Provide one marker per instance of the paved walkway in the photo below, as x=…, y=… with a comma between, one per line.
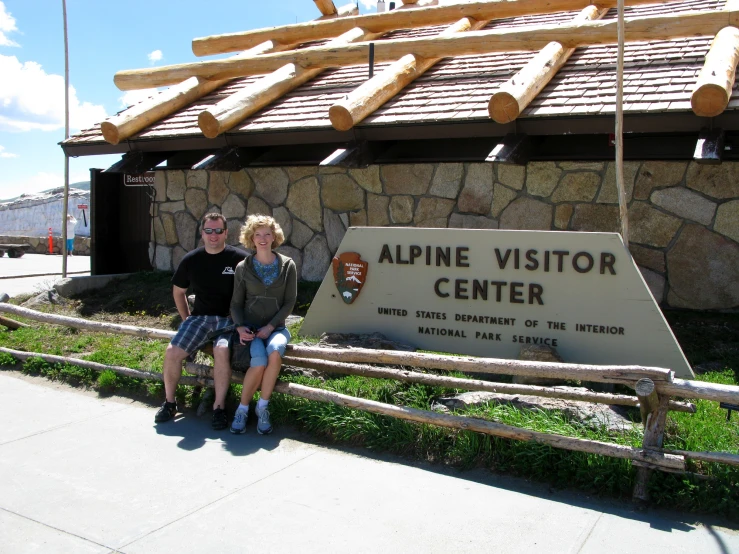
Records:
x=80, y=473
x=37, y=272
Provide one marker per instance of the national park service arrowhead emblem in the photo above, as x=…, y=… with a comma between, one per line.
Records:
x=350, y=273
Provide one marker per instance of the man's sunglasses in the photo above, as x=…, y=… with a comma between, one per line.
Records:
x=216, y=231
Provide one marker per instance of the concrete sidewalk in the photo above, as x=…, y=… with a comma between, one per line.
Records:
x=79, y=473
x=37, y=272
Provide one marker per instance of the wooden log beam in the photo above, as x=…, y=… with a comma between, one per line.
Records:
x=393, y=20
x=603, y=374
x=372, y=94
x=517, y=92
x=654, y=459
x=683, y=388
x=230, y=111
x=11, y=323
x=716, y=79
x=712, y=90
x=77, y=323
x=139, y=117
x=663, y=27
x=408, y=376
x=629, y=375
x=128, y=372
x=713, y=457
x=326, y=7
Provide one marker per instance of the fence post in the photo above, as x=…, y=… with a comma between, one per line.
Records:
x=654, y=434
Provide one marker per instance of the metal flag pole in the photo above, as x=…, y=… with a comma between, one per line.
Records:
x=66, y=136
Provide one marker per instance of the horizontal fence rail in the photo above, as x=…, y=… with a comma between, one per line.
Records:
x=354, y=361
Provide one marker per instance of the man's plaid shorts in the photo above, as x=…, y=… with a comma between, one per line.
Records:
x=193, y=331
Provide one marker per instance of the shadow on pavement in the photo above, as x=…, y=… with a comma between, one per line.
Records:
x=196, y=431
x=660, y=519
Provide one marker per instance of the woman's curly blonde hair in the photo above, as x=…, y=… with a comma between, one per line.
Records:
x=254, y=222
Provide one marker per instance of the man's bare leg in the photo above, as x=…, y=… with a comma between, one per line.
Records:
x=172, y=370
x=221, y=375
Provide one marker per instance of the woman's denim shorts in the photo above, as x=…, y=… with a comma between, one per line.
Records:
x=261, y=349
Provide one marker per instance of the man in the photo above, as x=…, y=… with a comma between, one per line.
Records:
x=209, y=270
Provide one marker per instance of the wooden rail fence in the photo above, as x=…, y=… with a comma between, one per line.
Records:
x=653, y=388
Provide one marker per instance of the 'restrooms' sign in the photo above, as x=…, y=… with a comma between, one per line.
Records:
x=487, y=293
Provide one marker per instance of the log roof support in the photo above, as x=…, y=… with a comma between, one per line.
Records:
x=372, y=94
x=572, y=35
x=138, y=117
x=232, y=110
x=716, y=80
x=393, y=20
x=235, y=108
x=518, y=92
x=326, y=7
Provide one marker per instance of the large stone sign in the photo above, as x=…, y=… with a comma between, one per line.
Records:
x=488, y=292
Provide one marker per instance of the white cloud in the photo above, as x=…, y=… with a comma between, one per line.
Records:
x=7, y=25
x=155, y=56
x=43, y=180
x=369, y=4
x=132, y=97
x=32, y=99
x=4, y=154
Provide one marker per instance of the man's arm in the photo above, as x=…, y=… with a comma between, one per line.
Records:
x=180, y=300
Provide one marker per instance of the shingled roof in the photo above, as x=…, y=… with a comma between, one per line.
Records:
x=659, y=78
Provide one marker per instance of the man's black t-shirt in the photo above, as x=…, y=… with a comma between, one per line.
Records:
x=211, y=277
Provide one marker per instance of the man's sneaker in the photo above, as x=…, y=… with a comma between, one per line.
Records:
x=238, y=426
x=264, y=427
x=219, y=421
x=166, y=412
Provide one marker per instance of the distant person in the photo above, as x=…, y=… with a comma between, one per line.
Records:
x=71, y=224
x=265, y=291
x=209, y=271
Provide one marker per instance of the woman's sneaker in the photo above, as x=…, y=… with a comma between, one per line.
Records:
x=264, y=427
x=238, y=427
x=166, y=412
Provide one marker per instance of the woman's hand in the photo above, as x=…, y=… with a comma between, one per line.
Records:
x=264, y=332
x=245, y=335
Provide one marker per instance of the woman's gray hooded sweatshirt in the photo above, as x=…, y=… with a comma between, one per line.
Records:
x=255, y=304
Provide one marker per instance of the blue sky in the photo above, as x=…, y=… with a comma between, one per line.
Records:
x=104, y=37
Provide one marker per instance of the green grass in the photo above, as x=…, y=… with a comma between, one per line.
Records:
x=706, y=338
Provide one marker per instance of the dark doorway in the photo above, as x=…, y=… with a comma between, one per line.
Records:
x=120, y=218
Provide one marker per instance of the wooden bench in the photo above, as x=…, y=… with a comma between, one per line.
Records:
x=14, y=250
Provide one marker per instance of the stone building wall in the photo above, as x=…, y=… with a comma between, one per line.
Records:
x=684, y=217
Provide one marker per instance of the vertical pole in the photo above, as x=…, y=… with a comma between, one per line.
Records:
x=623, y=208
x=654, y=434
x=371, y=59
x=66, y=136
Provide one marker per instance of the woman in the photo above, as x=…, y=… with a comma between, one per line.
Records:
x=265, y=289
x=71, y=224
